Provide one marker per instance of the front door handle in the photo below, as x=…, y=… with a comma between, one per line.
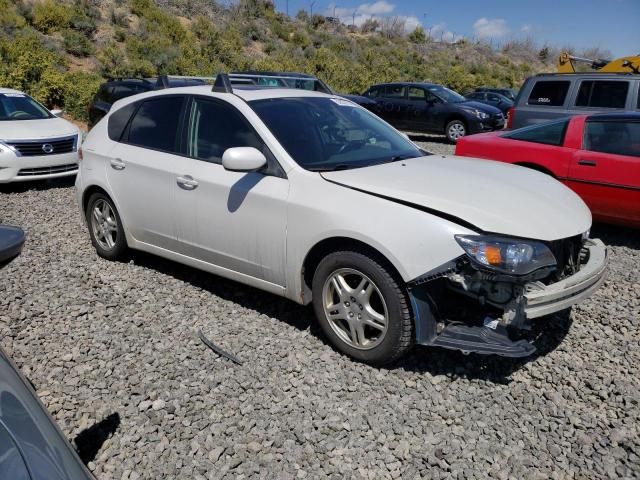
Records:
x=587, y=163
x=187, y=182
x=117, y=164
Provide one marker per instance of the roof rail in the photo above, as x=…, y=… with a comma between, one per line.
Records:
x=114, y=79
x=222, y=84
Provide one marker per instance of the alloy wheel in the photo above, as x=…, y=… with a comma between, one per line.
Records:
x=457, y=131
x=104, y=224
x=355, y=308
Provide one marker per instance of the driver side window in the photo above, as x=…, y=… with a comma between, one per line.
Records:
x=214, y=127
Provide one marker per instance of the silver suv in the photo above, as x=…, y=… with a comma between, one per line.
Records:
x=550, y=96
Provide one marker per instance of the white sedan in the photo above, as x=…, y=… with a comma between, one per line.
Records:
x=34, y=143
x=311, y=197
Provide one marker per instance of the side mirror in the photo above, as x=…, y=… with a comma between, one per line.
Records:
x=243, y=159
x=56, y=112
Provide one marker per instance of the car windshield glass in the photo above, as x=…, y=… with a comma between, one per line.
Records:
x=447, y=95
x=323, y=134
x=18, y=106
x=549, y=133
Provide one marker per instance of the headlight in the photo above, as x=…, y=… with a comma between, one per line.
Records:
x=480, y=114
x=507, y=255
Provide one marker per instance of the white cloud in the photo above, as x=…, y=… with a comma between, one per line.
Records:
x=490, y=27
x=380, y=10
x=440, y=32
x=526, y=28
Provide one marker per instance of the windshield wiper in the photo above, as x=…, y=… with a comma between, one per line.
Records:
x=340, y=166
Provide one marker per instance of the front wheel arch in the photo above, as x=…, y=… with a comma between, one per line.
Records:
x=336, y=244
x=536, y=167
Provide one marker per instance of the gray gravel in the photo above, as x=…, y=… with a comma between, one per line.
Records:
x=99, y=338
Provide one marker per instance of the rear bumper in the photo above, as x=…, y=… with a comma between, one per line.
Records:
x=565, y=293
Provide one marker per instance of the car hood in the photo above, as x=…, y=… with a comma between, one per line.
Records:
x=34, y=129
x=483, y=107
x=490, y=196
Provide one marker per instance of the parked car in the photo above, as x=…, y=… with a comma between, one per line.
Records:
x=34, y=142
x=550, y=96
x=32, y=447
x=294, y=80
x=118, y=88
x=597, y=156
x=510, y=93
x=426, y=107
x=501, y=102
x=232, y=185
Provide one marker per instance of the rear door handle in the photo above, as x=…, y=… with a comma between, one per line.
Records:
x=117, y=164
x=187, y=182
x=587, y=163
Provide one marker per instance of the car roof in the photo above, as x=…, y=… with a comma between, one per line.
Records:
x=571, y=75
x=408, y=84
x=10, y=90
x=615, y=117
x=247, y=93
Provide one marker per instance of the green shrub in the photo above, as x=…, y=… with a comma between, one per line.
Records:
x=51, y=16
x=76, y=43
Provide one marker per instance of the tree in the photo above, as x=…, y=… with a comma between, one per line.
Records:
x=418, y=36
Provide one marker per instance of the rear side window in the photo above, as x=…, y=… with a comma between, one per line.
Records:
x=547, y=133
x=155, y=124
x=373, y=92
x=620, y=138
x=118, y=121
x=394, y=91
x=549, y=93
x=602, y=94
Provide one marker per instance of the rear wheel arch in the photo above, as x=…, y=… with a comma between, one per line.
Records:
x=86, y=195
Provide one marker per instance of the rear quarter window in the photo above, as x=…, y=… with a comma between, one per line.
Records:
x=547, y=133
x=602, y=94
x=549, y=93
x=119, y=119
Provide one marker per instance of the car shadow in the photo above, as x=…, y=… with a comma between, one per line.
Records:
x=89, y=441
x=617, y=235
x=21, y=187
x=266, y=303
x=547, y=333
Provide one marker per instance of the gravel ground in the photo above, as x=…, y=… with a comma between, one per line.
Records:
x=115, y=344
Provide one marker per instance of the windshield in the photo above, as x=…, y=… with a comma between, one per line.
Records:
x=447, y=95
x=322, y=133
x=18, y=106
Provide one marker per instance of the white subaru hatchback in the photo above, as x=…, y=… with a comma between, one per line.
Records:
x=309, y=196
x=34, y=143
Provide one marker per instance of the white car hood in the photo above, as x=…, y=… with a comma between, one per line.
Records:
x=492, y=196
x=35, y=129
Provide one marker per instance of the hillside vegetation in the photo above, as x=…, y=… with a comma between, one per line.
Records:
x=60, y=51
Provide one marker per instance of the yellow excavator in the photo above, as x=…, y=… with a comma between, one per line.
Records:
x=567, y=64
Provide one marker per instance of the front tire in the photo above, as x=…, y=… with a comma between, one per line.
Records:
x=455, y=130
x=362, y=307
x=105, y=227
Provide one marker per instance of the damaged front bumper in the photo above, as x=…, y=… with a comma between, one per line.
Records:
x=492, y=307
x=571, y=290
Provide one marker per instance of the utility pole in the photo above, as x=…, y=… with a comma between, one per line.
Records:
x=311, y=8
x=287, y=8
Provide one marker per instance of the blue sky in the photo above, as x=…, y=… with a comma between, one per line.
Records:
x=612, y=25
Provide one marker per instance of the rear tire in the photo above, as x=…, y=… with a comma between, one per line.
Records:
x=455, y=130
x=105, y=227
x=362, y=307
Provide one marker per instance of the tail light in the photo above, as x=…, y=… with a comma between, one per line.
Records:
x=510, y=115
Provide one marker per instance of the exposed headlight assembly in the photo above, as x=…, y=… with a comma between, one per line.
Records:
x=507, y=255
